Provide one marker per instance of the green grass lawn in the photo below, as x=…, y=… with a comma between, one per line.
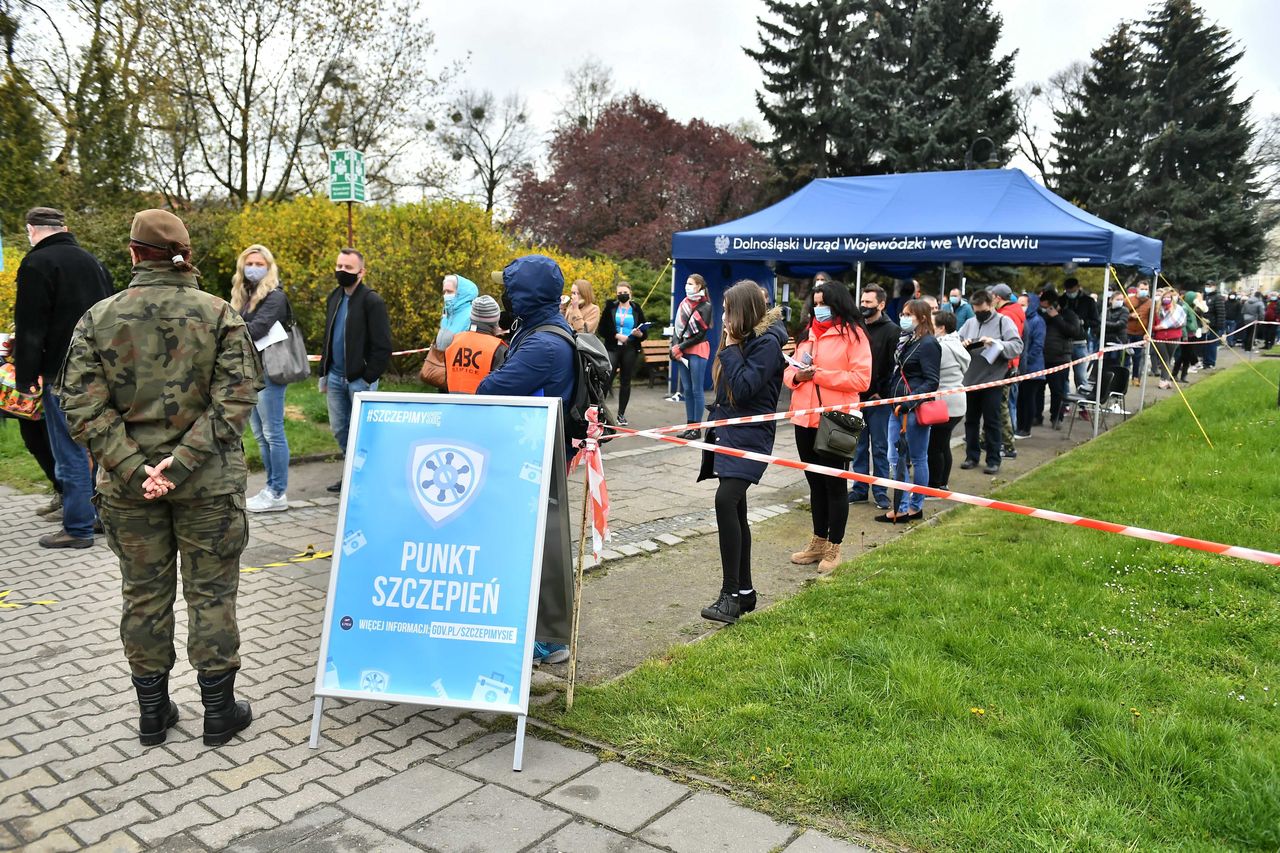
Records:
x=306, y=424
x=1002, y=683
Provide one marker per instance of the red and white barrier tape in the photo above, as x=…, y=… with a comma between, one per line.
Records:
x=314, y=358
x=1265, y=557
x=1213, y=338
x=889, y=401
x=590, y=455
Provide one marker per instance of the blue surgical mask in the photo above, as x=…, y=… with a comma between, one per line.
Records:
x=255, y=274
x=955, y=300
x=691, y=290
x=821, y=313
x=449, y=297
x=907, y=323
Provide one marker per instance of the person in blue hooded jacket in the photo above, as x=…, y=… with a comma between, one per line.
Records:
x=1031, y=394
x=539, y=363
x=747, y=378
x=459, y=293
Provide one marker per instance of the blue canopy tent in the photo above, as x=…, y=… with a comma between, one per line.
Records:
x=904, y=222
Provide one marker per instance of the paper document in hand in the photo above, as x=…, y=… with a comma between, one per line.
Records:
x=803, y=363
x=992, y=351
x=274, y=335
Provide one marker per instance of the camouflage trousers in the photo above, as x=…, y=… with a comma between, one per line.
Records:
x=147, y=536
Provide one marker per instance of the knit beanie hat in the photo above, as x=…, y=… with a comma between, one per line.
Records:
x=485, y=311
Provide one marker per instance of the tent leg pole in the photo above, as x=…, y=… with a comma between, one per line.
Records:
x=857, y=289
x=1102, y=345
x=942, y=288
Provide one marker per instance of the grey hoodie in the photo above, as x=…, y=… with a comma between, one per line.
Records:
x=999, y=328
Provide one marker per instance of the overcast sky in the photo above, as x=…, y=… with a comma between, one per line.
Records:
x=688, y=55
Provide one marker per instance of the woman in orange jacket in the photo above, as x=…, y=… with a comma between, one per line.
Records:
x=835, y=348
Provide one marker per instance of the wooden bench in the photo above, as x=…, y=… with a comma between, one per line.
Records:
x=657, y=357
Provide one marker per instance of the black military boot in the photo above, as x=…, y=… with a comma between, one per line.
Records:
x=157, y=714
x=223, y=715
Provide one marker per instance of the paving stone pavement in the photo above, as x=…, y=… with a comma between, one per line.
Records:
x=73, y=776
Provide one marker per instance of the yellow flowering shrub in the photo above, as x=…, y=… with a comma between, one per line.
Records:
x=9, y=286
x=408, y=249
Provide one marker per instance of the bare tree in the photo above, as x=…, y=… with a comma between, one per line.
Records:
x=590, y=91
x=495, y=139
x=1035, y=106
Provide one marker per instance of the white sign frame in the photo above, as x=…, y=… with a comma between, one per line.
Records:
x=519, y=708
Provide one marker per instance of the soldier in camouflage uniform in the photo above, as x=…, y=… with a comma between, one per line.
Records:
x=158, y=383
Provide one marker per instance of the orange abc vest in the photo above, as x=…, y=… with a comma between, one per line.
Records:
x=469, y=359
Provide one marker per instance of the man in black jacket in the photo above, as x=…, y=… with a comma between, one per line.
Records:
x=1075, y=300
x=873, y=441
x=1216, y=317
x=57, y=282
x=357, y=344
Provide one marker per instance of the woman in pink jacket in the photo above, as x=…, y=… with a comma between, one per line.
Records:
x=835, y=347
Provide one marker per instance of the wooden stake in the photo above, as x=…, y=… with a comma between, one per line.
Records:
x=577, y=589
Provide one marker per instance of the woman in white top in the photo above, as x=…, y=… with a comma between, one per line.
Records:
x=955, y=361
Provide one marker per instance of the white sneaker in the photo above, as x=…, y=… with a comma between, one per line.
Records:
x=265, y=501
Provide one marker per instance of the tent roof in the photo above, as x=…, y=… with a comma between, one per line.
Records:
x=997, y=216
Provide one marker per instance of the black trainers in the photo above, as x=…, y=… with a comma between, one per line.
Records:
x=746, y=603
x=725, y=609
x=336, y=487
x=1009, y=454
x=992, y=468
x=969, y=463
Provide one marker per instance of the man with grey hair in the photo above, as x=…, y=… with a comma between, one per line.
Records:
x=56, y=283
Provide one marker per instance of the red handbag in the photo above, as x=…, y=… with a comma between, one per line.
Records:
x=928, y=412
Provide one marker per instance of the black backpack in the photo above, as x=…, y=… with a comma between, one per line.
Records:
x=592, y=371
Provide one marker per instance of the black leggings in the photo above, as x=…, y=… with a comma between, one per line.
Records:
x=735, y=534
x=624, y=365
x=828, y=496
x=940, y=452
x=1183, y=360
x=1030, y=404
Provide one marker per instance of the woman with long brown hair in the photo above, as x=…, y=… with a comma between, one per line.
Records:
x=580, y=309
x=916, y=372
x=747, y=378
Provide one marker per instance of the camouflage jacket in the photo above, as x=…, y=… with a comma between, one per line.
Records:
x=162, y=368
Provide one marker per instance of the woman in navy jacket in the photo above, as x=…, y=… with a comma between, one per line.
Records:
x=916, y=372
x=747, y=379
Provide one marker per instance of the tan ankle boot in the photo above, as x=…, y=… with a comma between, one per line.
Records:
x=830, y=557
x=812, y=553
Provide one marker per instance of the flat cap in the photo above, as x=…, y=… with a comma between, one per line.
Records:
x=159, y=229
x=47, y=216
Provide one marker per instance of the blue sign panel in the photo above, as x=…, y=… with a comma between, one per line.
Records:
x=438, y=552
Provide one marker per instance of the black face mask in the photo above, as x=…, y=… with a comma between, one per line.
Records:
x=983, y=316
x=868, y=313
x=346, y=279
x=624, y=297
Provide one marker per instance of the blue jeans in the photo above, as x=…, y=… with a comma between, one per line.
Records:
x=690, y=379
x=873, y=448
x=71, y=467
x=267, y=422
x=1230, y=334
x=1135, y=357
x=1079, y=349
x=341, y=395
x=1210, y=354
x=918, y=450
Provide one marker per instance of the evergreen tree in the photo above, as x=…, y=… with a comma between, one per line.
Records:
x=819, y=81
x=1098, y=143
x=951, y=87
x=1195, y=163
x=25, y=176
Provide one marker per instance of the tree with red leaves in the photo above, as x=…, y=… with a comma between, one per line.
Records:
x=635, y=178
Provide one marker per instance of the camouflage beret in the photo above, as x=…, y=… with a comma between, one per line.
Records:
x=159, y=229
x=46, y=216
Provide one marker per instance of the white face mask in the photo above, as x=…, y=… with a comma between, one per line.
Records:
x=691, y=290
x=254, y=274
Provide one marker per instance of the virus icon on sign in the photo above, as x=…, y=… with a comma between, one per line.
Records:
x=444, y=478
x=722, y=244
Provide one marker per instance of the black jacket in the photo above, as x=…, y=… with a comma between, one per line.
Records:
x=753, y=371
x=1059, y=332
x=1217, y=313
x=1086, y=310
x=368, y=349
x=1234, y=309
x=273, y=308
x=883, y=336
x=1117, y=325
x=921, y=361
x=57, y=282
x=608, y=329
